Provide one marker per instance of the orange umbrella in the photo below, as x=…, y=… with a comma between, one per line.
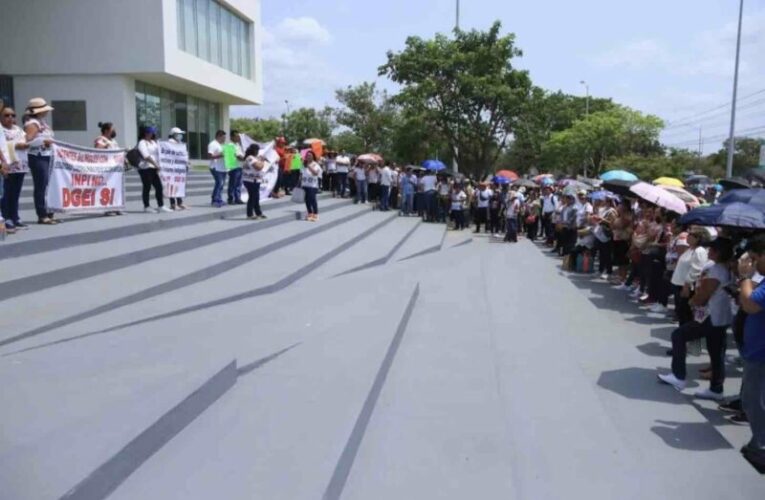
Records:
x=507, y=174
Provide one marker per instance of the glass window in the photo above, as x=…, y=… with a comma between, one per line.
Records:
x=140, y=103
x=215, y=32
x=225, y=34
x=246, y=56
x=204, y=138
x=189, y=27
x=181, y=116
x=192, y=134
x=153, y=108
x=203, y=38
x=214, y=121
x=236, y=48
x=167, y=111
x=69, y=115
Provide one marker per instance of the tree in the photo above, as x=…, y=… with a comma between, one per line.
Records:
x=347, y=141
x=309, y=123
x=746, y=155
x=542, y=114
x=261, y=130
x=466, y=86
x=368, y=113
x=601, y=136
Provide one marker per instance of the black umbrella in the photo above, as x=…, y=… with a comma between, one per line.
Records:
x=754, y=197
x=622, y=188
x=735, y=183
x=733, y=215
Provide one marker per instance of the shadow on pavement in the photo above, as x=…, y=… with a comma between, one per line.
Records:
x=696, y=436
x=654, y=349
x=640, y=384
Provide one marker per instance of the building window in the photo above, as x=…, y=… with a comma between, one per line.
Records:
x=69, y=115
x=165, y=109
x=212, y=32
x=6, y=90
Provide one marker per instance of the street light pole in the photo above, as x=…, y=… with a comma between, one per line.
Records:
x=455, y=164
x=731, y=138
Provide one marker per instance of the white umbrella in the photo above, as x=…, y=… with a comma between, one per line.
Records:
x=659, y=197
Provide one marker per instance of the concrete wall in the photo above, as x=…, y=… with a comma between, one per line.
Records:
x=108, y=98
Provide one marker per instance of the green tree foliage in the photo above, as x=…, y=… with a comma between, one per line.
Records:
x=746, y=155
x=369, y=114
x=261, y=130
x=600, y=137
x=466, y=86
x=309, y=123
x=347, y=141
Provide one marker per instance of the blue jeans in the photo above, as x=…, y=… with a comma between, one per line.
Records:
x=407, y=204
x=512, y=230
x=384, y=197
x=430, y=206
x=39, y=167
x=311, y=204
x=361, y=191
x=234, y=185
x=220, y=179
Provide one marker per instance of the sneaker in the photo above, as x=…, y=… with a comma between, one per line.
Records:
x=9, y=225
x=164, y=209
x=149, y=210
x=658, y=309
x=739, y=418
x=643, y=298
x=20, y=225
x=604, y=276
x=709, y=394
x=635, y=294
x=670, y=379
x=622, y=287
x=732, y=406
x=262, y=217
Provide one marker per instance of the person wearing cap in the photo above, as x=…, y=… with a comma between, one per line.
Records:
x=39, y=137
x=692, y=257
x=148, y=169
x=107, y=140
x=217, y=167
x=752, y=299
x=176, y=137
x=712, y=315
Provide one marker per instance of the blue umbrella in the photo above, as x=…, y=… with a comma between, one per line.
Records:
x=603, y=195
x=500, y=180
x=618, y=175
x=434, y=165
x=755, y=197
x=734, y=215
x=548, y=181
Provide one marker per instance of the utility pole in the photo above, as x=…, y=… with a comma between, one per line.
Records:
x=732, y=137
x=455, y=164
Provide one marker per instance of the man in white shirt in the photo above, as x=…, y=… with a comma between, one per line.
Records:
x=217, y=167
x=483, y=197
x=512, y=210
x=373, y=183
x=429, y=182
x=394, y=175
x=360, y=178
x=385, y=182
x=343, y=165
x=549, y=203
x=583, y=209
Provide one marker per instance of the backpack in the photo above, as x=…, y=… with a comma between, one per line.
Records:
x=134, y=157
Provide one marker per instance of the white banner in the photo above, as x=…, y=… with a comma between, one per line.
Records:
x=86, y=179
x=270, y=173
x=173, y=166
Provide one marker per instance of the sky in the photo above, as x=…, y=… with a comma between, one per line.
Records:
x=671, y=58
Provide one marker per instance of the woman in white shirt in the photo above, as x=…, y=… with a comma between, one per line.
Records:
x=39, y=136
x=107, y=141
x=458, y=198
x=687, y=270
x=17, y=168
x=360, y=177
x=311, y=174
x=148, y=169
x=252, y=174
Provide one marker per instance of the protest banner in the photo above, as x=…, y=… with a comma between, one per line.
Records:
x=173, y=167
x=270, y=174
x=229, y=156
x=86, y=179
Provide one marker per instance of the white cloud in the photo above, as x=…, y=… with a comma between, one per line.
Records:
x=303, y=29
x=634, y=55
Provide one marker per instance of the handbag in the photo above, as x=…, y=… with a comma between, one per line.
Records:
x=298, y=195
x=531, y=220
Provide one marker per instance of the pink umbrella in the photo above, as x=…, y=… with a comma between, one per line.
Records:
x=658, y=196
x=684, y=195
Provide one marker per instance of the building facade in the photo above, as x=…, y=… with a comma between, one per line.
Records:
x=164, y=63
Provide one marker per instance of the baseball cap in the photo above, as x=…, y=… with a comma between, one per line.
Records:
x=176, y=130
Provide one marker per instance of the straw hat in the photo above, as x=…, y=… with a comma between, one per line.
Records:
x=38, y=105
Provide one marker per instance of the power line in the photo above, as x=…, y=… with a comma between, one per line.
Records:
x=755, y=131
x=725, y=105
x=748, y=113
x=724, y=112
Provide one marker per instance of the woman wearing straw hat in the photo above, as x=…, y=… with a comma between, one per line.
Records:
x=39, y=137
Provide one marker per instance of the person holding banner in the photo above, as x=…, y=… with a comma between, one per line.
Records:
x=217, y=167
x=235, y=174
x=148, y=169
x=106, y=141
x=17, y=162
x=39, y=136
x=311, y=175
x=252, y=174
x=176, y=137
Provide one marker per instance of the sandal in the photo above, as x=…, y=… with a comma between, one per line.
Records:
x=46, y=221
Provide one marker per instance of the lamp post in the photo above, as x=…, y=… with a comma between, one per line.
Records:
x=731, y=138
x=587, y=97
x=455, y=164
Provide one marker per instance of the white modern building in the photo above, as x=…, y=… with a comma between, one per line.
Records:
x=158, y=62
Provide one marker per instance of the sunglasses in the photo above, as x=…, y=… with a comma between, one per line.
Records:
x=6, y=115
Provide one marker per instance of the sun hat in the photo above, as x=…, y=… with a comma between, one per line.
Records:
x=176, y=130
x=38, y=105
x=582, y=192
x=682, y=240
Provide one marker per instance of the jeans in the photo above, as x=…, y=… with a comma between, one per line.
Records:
x=682, y=307
x=394, y=197
x=431, y=206
x=407, y=203
x=715, y=337
x=341, y=183
x=512, y=230
x=11, y=194
x=220, y=179
x=234, y=186
x=384, y=197
x=361, y=191
x=494, y=220
x=149, y=178
x=753, y=402
x=39, y=167
x=311, y=204
x=481, y=217
x=605, y=254
x=253, y=200
x=547, y=227
x=458, y=216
